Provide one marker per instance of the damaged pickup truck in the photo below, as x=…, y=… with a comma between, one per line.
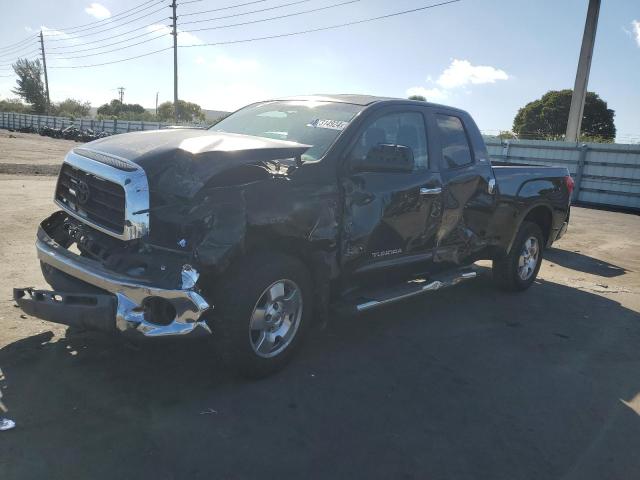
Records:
x=285, y=211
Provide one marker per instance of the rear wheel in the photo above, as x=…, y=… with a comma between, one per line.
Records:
x=519, y=268
x=261, y=311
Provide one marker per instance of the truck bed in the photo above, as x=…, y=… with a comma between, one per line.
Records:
x=512, y=179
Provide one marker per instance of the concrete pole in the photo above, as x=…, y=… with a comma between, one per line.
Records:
x=582, y=75
x=46, y=78
x=175, y=61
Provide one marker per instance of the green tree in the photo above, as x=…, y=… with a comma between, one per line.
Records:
x=14, y=105
x=123, y=111
x=30, y=86
x=187, y=111
x=71, y=108
x=546, y=118
x=421, y=98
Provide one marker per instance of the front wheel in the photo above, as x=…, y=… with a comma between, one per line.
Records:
x=262, y=308
x=517, y=270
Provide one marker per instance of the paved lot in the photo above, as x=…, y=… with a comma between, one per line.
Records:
x=469, y=383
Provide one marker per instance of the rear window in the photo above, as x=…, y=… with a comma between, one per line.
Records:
x=456, y=151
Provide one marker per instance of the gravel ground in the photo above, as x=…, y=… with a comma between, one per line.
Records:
x=464, y=383
x=28, y=153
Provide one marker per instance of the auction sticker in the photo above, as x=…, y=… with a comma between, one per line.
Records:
x=330, y=124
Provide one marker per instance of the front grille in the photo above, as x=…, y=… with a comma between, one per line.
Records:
x=92, y=198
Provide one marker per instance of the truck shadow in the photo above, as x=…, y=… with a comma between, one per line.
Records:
x=462, y=381
x=583, y=263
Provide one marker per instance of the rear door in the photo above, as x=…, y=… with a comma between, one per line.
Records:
x=391, y=218
x=468, y=193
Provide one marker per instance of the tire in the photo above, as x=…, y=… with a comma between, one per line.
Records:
x=248, y=295
x=517, y=270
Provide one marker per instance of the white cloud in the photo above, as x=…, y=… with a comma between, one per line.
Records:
x=431, y=94
x=461, y=73
x=28, y=29
x=636, y=30
x=98, y=11
x=50, y=33
x=59, y=34
x=184, y=38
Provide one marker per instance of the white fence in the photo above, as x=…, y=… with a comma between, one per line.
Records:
x=605, y=174
x=15, y=121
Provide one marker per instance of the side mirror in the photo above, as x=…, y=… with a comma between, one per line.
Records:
x=386, y=158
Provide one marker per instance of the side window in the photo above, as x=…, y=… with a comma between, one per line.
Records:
x=455, y=145
x=396, y=129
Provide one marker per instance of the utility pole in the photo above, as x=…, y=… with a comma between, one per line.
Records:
x=582, y=75
x=44, y=64
x=157, y=105
x=121, y=94
x=175, y=61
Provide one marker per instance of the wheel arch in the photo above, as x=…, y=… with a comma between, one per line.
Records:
x=319, y=258
x=540, y=214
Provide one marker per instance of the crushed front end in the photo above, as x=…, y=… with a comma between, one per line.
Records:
x=95, y=254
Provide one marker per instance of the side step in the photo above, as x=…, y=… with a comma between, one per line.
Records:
x=362, y=301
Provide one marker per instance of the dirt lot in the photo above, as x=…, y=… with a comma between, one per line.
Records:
x=28, y=153
x=465, y=383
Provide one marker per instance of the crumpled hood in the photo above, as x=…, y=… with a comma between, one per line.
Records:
x=182, y=161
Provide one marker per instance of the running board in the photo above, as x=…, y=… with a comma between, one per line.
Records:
x=369, y=300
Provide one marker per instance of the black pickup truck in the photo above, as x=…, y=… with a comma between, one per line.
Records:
x=285, y=211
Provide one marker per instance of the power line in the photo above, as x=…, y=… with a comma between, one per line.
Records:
x=10, y=65
x=320, y=29
x=244, y=13
x=116, y=24
x=221, y=8
x=269, y=37
x=73, y=35
x=110, y=19
x=153, y=23
x=24, y=40
x=14, y=56
x=137, y=29
x=250, y=22
x=113, y=49
x=16, y=50
x=105, y=45
x=115, y=61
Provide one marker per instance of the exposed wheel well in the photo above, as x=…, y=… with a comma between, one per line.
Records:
x=541, y=216
x=320, y=264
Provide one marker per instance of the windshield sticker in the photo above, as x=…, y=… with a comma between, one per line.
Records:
x=330, y=124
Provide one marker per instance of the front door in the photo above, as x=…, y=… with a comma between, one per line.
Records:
x=391, y=218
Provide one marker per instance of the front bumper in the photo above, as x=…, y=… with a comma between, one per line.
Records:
x=122, y=307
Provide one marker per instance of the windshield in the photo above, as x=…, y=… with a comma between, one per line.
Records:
x=311, y=123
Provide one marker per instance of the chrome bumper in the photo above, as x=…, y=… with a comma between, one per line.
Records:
x=131, y=293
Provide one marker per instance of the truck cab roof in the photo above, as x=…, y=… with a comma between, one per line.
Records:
x=364, y=100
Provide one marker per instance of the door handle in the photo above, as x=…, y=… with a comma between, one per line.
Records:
x=430, y=191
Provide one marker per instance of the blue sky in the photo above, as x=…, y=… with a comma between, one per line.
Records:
x=488, y=57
